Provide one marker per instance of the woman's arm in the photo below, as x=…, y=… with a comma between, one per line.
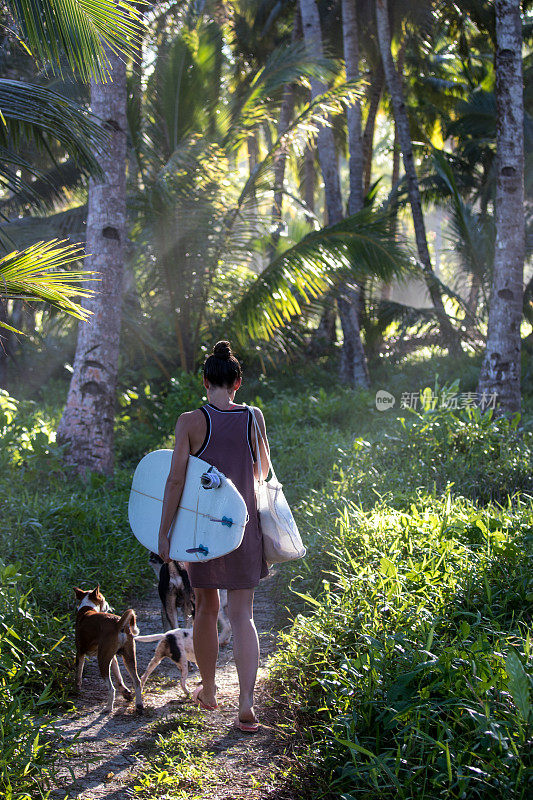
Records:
x=174, y=485
x=264, y=447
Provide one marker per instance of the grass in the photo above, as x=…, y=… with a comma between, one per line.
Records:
x=179, y=765
x=409, y=665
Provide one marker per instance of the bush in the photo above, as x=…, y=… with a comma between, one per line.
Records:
x=409, y=662
x=411, y=672
x=149, y=413
x=33, y=653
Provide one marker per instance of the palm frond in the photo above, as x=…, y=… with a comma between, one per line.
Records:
x=471, y=236
x=260, y=104
x=46, y=191
x=78, y=29
x=39, y=273
x=360, y=245
x=34, y=115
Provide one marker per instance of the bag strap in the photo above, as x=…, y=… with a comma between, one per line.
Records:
x=258, y=434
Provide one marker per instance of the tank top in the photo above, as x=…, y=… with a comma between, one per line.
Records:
x=228, y=447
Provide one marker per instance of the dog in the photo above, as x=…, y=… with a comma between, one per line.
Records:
x=177, y=595
x=106, y=635
x=176, y=645
x=175, y=592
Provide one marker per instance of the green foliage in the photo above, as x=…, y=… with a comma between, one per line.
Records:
x=149, y=414
x=77, y=30
x=409, y=666
x=40, y=273
x=33, y=652
x=180, y=763
x=359, y=246
x=55, y=533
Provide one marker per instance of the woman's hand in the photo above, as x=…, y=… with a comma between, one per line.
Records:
x=164, y=549
x=174, y=486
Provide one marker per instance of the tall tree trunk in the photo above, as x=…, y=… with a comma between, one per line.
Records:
x=253, y=156
x=376, y=90
x=449, y=335
x=500, y=371
x=285, y=116
x=329, y=166
x=309, y=179
x=88, y=418
x=386, y=289
x=327, y=155
x=287, y=106
x=354, y=369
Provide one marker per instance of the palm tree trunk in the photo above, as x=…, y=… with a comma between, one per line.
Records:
x=309, y=179
x=386, y=289
x=327, y=155
x=370, y=125
x=88, y=418
x=285, y=116
x=449, y=335
x=287, y=106
x=353, y=367
x=500, y=371
x=330, y=172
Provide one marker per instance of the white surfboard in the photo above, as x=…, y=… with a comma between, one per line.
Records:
x=209, y=522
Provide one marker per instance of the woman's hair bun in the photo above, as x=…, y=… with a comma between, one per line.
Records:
x=222, y=350
x=221, y=368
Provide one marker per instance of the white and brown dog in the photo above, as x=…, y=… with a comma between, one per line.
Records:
x=176, y=645
x=106, y=635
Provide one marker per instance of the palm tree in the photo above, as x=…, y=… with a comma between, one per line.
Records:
x=500, y=371
x=358, y=247
x=55, y=33
x=88, y=419
x=401, y=119
x=93, y=38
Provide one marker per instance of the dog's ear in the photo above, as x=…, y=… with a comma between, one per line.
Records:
x=79, y=593
x=95, y=593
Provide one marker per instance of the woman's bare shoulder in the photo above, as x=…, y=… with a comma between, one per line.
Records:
x=258, y=414
x=191, y=420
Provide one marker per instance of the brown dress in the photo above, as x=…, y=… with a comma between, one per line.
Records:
x=228, y=447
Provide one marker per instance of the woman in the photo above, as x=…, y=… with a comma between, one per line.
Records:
x=220, y=432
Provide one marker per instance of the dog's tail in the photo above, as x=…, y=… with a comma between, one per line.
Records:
x=152, y=637
x=128, y=620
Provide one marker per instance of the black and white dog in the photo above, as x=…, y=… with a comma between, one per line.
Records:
x=177, y=597
x=176, y=645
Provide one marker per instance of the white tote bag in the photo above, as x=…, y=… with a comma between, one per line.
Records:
x=281, y=539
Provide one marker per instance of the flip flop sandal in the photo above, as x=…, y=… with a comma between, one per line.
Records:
x=246, y=727
x=200, y=703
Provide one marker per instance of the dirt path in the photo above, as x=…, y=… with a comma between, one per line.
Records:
x=109, y=752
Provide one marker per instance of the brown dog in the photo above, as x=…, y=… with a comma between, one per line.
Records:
x=106, y=635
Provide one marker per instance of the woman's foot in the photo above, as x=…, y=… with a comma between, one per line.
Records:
x=246, y=727
x=205, y=700
x=247, y=721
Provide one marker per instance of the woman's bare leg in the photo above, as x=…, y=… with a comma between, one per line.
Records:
x=205, y=638
x=245, y=648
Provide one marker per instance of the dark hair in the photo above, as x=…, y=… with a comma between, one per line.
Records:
x=221, y=368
